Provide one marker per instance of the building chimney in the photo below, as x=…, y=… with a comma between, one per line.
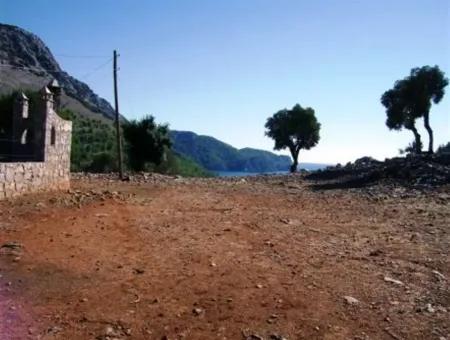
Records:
x=47, y=97
x=54, y=87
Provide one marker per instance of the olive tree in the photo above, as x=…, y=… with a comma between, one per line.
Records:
x=294, y=129
x=411, y=98
x=427, y=86
x=399, y=115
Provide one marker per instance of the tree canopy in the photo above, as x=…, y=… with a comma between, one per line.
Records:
x=445, y=148
x=399, y=113
x=411, y=98
x=146, y=142
x=294, y=129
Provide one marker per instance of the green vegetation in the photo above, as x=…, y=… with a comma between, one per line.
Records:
x=94, y=149
x=93, y=144
x=6, y=107
x=411, y=98
x=175, y=164
x=445, y=148
x=215, y=155
x=149, y=148
x=146, y=142
x=294, y=129
x=6, y=121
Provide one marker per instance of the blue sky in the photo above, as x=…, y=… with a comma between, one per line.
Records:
x=220, y=68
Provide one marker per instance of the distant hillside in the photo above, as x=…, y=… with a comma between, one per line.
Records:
x=27, y=63
x=215, y=155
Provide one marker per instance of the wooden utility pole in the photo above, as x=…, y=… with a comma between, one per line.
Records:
x=116, y=102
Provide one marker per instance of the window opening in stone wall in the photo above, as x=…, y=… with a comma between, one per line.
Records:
x=25, y=113
x=24, y=138
x=53, y=136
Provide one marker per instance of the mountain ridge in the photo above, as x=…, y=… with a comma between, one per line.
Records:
x=215, y=155
x=27, y=63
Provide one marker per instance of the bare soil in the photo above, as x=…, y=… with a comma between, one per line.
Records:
x=188, y=259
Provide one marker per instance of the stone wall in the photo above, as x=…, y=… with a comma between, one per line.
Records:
x=53, y=173
x=27, y=177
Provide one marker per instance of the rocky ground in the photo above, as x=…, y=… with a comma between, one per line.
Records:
x=270, y=257
x=423, y=171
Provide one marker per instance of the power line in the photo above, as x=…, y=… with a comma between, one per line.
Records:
x=55, y=71
x=96, y=69
x=31, y=69
x=81, y=56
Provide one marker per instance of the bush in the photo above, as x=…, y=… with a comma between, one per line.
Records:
x=93, y=144
x=444, y=149
x=175, y=164
x=147, y=142
x=103, y=162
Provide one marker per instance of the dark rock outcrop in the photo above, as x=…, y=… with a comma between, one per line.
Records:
x=416, y=171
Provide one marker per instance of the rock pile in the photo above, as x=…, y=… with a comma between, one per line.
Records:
x=417, y=171
x=80, y=197
x=139, y=177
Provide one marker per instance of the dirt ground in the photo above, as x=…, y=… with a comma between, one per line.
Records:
x=188, y=260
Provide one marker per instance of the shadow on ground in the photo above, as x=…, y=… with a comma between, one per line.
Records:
x=343, y=179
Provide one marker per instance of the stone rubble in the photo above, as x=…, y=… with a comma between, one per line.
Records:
x=418, y=171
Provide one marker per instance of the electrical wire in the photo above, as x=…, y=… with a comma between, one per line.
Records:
x=31, y=69
x=81, y=56
x=98, y=68
x=55, y=71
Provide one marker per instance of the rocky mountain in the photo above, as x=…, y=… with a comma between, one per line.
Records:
x=216, y=155
x=27, y=63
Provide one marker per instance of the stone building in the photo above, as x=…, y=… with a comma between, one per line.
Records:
x=35, y=156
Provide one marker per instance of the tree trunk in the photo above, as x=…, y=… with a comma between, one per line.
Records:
x=426, y=121
x=418, y=142
x=294, y=154
x=294, y=166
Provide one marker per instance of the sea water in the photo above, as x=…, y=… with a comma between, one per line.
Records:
x=307, y=166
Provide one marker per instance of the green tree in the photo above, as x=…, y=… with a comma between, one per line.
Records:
x=444, y=149
x=427, y=86
x=399, y=113
x=146, y=142
x=294, y=129
x=412, y=97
